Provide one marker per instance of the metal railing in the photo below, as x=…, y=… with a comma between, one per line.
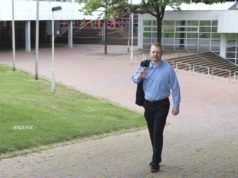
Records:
x=221, y=70
x=201, y=67
x=183, y=64
x=210, y=71
x=235, y=73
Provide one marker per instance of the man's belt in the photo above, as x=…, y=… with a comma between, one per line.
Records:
x=157, y=101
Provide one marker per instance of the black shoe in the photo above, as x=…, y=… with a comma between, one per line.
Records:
x=155, y=168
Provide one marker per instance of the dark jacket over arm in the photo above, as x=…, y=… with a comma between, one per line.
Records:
x=140, y=95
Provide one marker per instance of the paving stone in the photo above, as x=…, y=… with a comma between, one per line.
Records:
x=200, y=142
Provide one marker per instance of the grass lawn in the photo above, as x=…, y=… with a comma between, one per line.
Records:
x=30, y=116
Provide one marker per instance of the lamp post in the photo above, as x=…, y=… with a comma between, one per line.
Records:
x=13, y=38
x=37, y=40
x=57, y=8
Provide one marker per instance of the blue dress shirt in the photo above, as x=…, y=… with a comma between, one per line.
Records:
x=158, y=82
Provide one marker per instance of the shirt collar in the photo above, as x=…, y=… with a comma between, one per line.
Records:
x=160, y=64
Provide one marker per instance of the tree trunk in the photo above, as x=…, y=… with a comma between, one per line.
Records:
x=105, y=44
x=105, y=25
x=105, y=35
x=159, y=30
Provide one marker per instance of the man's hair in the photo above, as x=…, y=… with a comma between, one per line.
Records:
x=156, y=44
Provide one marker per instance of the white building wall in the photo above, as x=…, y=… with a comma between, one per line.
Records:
x=25, y=10
x=192, y=15
x=228, y=22
x=227, y=28
x=177, y=15
x=186, y=15
x=223, y=46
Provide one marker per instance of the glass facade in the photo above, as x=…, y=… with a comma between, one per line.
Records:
x=184, y=35
x=232, y=48
x=191, y=36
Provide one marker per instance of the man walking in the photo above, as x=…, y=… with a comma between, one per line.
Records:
x=158, y=79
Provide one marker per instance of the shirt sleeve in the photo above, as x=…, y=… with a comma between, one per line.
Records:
x=135, y=77
x=174, y=85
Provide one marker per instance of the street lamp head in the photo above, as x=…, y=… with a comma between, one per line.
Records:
x=57, y=8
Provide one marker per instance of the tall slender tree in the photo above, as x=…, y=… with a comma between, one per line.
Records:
x=108, y=9
x=157, y=9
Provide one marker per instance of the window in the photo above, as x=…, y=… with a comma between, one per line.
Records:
x=192, y=34
x=232, y=48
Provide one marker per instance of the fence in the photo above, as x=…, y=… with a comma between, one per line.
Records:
x=210, y=71
x=200, y=69
x=235, y=73
x=185, y=66
x=221, y=72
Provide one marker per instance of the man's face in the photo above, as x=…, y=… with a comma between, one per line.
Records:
x=155, y=53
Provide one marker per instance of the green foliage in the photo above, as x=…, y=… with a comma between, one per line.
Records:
x=157, y=9
x=108, y=8
x=155, y=6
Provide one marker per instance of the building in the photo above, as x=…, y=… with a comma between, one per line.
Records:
x=197, y=27
x=25, y=17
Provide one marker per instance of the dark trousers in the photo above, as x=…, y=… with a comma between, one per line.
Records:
x=155, y=115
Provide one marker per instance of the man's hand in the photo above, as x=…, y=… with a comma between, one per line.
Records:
x=175, y=111
x=143, y=73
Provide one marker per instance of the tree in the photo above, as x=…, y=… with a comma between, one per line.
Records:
x=108, y=8
x=157, y=9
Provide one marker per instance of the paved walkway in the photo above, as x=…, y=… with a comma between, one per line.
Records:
x=200, y=142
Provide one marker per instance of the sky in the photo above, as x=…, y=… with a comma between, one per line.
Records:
x=135, y=1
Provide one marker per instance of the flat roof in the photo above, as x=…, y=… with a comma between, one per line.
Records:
x=199, y=6
x=202, y=6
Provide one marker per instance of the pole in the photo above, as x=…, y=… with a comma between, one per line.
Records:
x=37, y=40
x=13, y=38
x=53, y=85
x=132, y=40
x=53, y=56
x=129, y=31
x=132, y=36
x=105, y=37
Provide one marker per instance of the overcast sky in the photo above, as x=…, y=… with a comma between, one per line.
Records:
x=135, y=1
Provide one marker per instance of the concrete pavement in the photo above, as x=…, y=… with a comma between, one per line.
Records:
x=200, y=142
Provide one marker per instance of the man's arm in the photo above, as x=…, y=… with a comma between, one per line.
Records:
x=174, y=85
